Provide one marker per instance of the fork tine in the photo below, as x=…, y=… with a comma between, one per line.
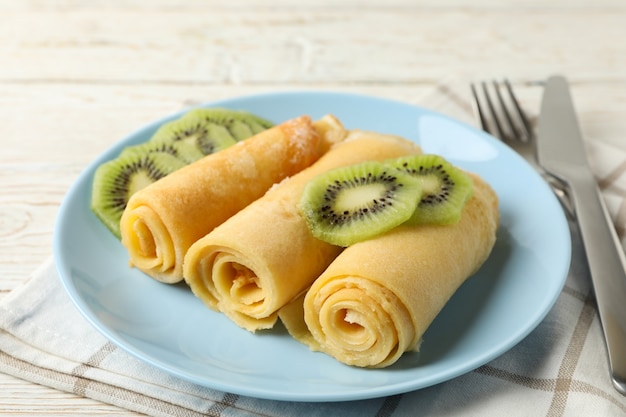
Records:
x=499, y=131
x=512, y=126
x=479, y=109
x=528, y=131
x=500, y=112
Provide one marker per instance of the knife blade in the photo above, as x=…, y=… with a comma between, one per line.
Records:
x=561, y=152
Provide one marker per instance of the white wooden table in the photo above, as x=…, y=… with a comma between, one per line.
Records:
x=77, y=76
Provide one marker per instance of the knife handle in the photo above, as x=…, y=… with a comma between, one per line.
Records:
x=607, y=265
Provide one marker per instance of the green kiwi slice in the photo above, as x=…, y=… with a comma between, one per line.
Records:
x=185, y=151
x=445, y=188
x=117, y=180
x=354, y=203
x=193, y=137
x=238, y=123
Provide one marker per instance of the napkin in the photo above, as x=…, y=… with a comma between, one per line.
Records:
x=559, y=369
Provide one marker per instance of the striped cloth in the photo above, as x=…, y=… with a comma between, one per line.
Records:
x=560, y=369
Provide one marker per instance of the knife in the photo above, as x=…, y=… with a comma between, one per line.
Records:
x=561, y=152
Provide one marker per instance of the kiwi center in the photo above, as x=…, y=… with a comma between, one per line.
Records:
x=359, y=197
x=190, y=136
x=139, y=180
x=431, y=184
x=436, y=183
x=355, y=198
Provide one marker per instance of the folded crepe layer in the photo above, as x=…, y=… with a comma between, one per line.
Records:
x=164, y=219
x=377, y=298
x=265, y=255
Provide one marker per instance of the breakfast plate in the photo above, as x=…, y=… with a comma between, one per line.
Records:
x=167, y=327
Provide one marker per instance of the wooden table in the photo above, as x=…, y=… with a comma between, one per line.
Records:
x=77, y=76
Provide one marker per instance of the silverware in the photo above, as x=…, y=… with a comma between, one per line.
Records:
x=561, y=152
x=501, y=115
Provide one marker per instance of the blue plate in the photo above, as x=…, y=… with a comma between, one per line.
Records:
x=168, y=327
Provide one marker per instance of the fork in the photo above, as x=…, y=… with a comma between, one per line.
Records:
x=501, y=115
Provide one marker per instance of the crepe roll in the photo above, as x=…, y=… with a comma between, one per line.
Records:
x=265, y=255
x=377, y=298
x=164, y=219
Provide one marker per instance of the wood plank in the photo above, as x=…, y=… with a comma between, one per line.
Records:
x=353, y=5
x=275, y=46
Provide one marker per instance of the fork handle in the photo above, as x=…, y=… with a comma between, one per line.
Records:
x=607, y=265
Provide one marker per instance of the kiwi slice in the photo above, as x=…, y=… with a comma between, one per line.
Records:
x=117, y=180
x=185, y=151
x=445, y=188
x=193, y=137
x=354, y=203
x=239, y=124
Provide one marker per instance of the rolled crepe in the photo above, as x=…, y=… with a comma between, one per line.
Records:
x=265, y=255
x=162, y=220
x=377, y=298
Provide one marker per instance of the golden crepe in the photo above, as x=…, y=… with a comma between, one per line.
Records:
x=162, y=220
x=378, y=297
x=265, y=255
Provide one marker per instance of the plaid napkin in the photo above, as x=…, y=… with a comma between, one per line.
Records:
x=560, y=369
